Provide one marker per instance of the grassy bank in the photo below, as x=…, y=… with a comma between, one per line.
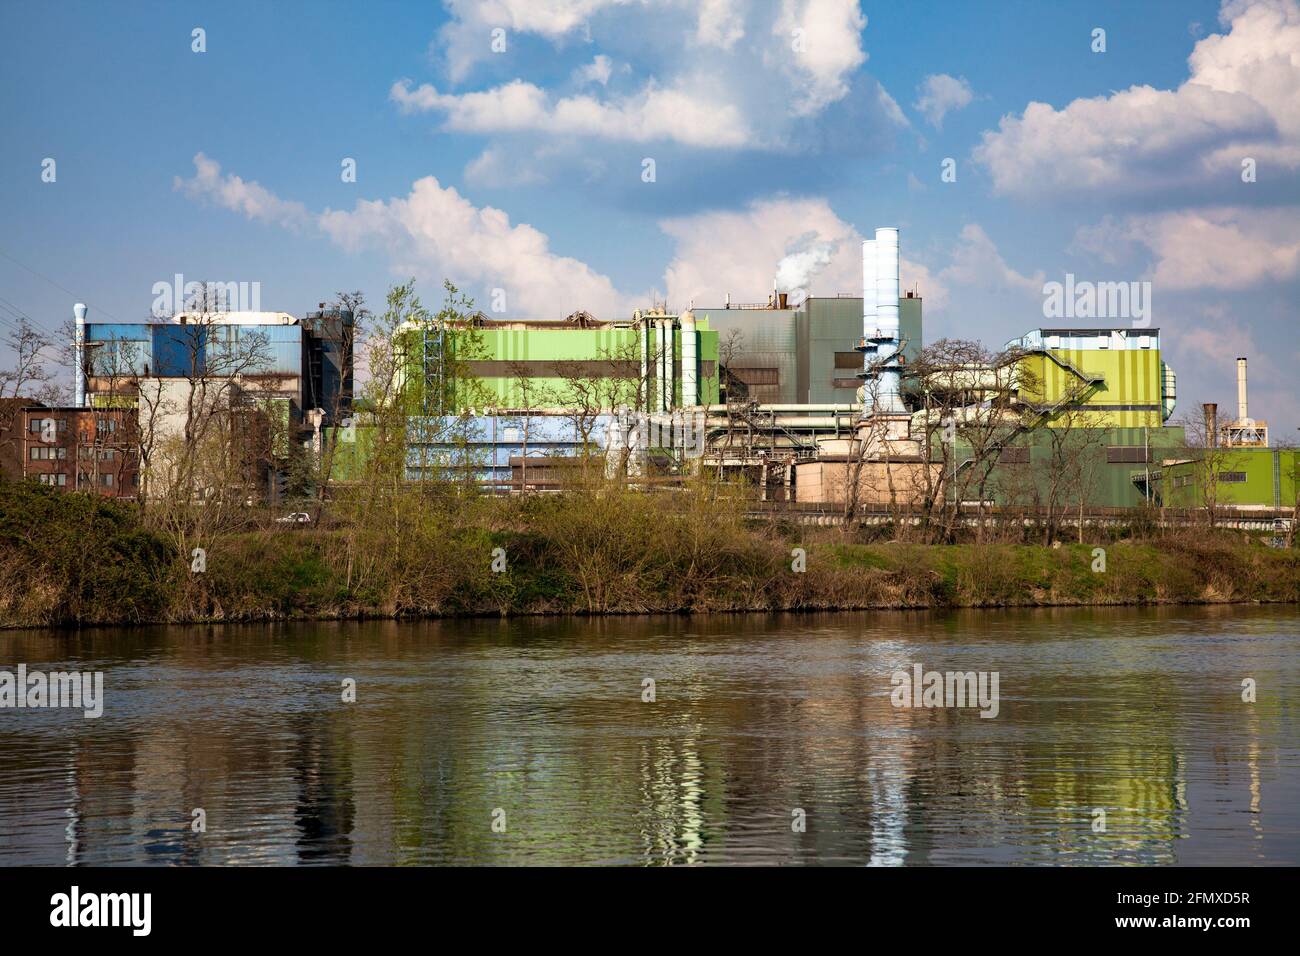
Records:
x=68, y=559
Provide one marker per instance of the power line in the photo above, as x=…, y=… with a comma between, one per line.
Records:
x=56, y=285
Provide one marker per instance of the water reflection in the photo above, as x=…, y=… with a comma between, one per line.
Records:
x=1136, y=713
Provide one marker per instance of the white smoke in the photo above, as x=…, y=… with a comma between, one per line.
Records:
x=795, y=272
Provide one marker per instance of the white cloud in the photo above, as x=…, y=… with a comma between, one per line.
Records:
x=434, y=232
x=940, y=94
x=233, y=193
x=598, y=70
x=825, y=37
x=653, y=114
x=1220, y=248
x=1241, y=99
x=741, y=251
x=977, y=264
x=495, y=168
x=720, y=73
x=738, y=251
x=721, y=23
x=466, y=39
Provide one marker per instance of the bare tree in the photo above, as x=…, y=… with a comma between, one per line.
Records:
x=1206, y=456
x=972, y=401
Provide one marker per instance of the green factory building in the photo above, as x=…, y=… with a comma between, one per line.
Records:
x=654, y=361
x=804, y=355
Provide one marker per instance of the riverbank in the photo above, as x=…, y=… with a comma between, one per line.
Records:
x=74, y=560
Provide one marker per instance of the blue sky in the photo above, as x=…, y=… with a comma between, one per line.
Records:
x=776, y=128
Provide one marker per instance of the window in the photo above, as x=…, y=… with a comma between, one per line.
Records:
x=106, y=480
x=1232, y=477
x=848, y=359
x=1127, y=453
x=757, y=376
x=36, y=454
x=35, y=426
x=63, y=480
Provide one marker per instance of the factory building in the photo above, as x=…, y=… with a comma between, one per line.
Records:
x=656, y=361
x=145, y=389
x=303, y=363
x=783, y=355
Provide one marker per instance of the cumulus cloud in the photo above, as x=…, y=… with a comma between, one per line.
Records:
x=1241, y=99
x=741, y=252
x=721, y=23
x=434, y=232
x=233, y=193
x=977, y=263
x=652, y=114
x=1220, y=248
x=720, y=74
x=940, y=94
x=465, y=38
x=826, y=39
x=431, y=233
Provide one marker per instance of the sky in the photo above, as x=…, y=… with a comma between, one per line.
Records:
x=554, y=155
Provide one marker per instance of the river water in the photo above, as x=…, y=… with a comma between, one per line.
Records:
x=1121, y=737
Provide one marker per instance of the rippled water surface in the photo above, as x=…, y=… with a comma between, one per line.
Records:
x=541, y=726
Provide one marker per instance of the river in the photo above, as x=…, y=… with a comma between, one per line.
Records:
x=1121, y=737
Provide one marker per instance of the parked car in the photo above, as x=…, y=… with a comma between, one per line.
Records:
x=298, y=517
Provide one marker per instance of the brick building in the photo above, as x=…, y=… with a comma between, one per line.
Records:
x=82, y=449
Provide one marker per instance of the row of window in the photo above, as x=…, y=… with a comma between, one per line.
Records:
x=61, y=480
x=37, y=425
x=102, y=424
x=49, y=453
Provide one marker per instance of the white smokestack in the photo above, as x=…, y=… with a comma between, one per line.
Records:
x=79, y=315
x=887, y=398
x=1243, y=409
x=868, y=288
x=690, y=361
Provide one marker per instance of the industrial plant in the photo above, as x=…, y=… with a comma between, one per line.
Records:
x=834, y=404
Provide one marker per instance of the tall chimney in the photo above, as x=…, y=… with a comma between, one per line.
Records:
x=79, y=315
x=1211, y=410
x=1243, y=410
x=887, y=397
